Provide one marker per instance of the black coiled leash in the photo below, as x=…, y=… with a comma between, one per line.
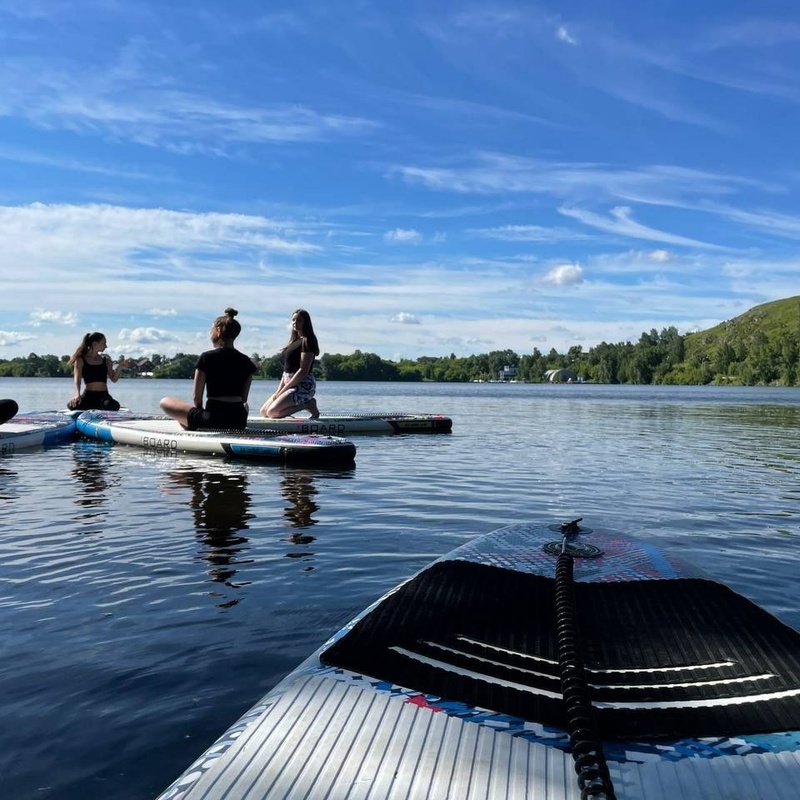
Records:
x=594, y=779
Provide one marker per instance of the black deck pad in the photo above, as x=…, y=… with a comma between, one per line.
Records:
x=664, y=658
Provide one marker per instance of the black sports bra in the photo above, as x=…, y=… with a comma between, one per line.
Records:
x=95, y=373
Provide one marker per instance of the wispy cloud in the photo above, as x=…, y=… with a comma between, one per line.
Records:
x=620, y=222
x=25, y=156
x=529, y=233
x=497, y=173
x=133, y=107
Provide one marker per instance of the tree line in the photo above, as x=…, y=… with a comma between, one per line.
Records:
x=664, y=357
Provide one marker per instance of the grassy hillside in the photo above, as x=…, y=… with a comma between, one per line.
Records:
x=759, y=346
x=772, y=320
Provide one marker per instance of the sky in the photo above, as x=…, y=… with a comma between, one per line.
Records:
x=425, y=178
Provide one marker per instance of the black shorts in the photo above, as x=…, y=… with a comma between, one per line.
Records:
x=94, y=400
x=218, y=415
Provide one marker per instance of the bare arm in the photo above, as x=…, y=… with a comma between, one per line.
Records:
x=113, y=374
x=199, y=387
x=246, y=388
x=306, y=362
x=77, y=375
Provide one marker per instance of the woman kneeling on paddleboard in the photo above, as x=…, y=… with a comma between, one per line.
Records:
x=224, y=374
x=298, y=386
x=95, y=370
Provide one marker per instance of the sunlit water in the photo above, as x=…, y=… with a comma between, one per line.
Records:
x=146, y=601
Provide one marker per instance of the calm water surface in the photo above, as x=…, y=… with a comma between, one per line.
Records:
x=147, y=601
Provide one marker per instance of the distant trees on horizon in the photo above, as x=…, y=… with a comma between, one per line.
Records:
x=664, y=357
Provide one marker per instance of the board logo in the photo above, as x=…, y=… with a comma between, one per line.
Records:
x=157, y=443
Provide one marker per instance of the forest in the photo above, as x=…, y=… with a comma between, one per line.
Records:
x=759, y=348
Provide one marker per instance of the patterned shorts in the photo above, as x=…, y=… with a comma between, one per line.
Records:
x=304, y=390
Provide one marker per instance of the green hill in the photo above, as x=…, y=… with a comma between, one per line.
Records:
x=760, y=346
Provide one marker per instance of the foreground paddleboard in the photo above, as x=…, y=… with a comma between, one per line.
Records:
x=350, y=424
x=450, y=686
x=35, y=429
x=165, y=435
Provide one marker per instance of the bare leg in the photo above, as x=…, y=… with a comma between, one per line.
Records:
x=177, y=409
x=281, y=408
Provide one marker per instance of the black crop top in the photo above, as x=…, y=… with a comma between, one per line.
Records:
x=95, y=373
x=226, y=371
x=293, y=353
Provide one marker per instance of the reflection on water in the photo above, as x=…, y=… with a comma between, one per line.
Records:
x=8, y=481
x=90, y=470
x=300, y=490
x=220, y=505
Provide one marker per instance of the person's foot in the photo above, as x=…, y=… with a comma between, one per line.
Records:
x=311, y=407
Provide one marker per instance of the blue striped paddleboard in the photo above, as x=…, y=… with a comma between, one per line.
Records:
x=536, y=662
x=165, y=435
x=35, y=429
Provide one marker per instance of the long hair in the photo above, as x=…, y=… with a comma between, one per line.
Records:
x=83, y=348
x=229, y=327
x=308, y=332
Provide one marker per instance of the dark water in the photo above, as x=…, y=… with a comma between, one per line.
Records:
x=147, y=601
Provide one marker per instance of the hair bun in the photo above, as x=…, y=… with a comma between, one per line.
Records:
x=231, y=312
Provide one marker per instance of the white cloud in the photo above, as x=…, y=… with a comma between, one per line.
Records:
x=163, y=312
x=660, y=256
x=403, y=236
x=563, y=35
x=145, y=336
x=404, y=318
x=565, y=275
x=38, y=316
x=12, y=338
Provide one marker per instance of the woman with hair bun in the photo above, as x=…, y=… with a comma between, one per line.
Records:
x=224, y=374
x=95, y=369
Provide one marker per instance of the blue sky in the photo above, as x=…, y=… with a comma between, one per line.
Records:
x=425, y=178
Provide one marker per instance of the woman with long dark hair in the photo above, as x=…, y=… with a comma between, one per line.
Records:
x=95, y=369
x=298, y=385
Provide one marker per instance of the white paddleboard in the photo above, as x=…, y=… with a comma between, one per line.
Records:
x=165, y=435
x=35, y=429
x=355, y=424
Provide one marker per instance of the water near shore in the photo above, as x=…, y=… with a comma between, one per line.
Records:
x=147, y=601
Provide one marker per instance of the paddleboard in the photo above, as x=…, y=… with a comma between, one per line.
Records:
x=353, y=424
x=165, y=435
x=534, y=662
x=35, y=429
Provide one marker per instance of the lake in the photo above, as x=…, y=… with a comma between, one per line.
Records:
x=149, y=600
